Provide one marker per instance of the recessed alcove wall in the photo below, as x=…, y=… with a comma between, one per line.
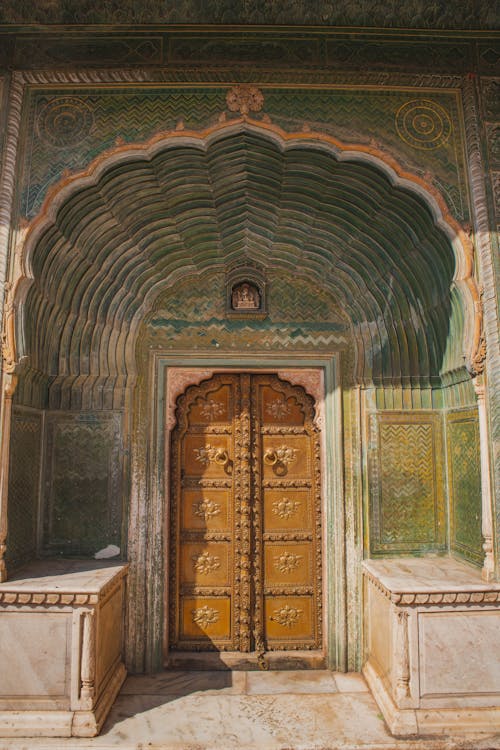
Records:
x=134, y=263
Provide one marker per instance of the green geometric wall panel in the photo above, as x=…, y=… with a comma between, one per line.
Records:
x=83, y=483
x=407, y=513
x=24, y=478
x=464, y=467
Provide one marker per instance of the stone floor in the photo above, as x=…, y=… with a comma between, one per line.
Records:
x=307, y=710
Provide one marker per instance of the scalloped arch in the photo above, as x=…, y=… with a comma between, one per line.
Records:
x=108, y=240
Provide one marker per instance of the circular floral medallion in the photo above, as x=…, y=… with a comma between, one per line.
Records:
x=423, y=124
x=64, y=121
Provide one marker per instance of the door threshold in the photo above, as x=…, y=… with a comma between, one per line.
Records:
x=230, y=660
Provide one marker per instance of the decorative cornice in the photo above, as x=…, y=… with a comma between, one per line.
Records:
x=229, y=75
x=9, y=595
x=47, y=598
x=449, y=597
x=433, y=598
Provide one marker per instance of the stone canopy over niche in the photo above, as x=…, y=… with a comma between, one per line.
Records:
x=244, y=196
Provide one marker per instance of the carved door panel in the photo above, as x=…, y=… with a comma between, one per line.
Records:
x=245, y=551
x=287, y=515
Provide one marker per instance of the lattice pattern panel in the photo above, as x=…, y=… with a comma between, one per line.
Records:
x=464, y=467
x=407, y=512
x=83, y=486
x=24, y=476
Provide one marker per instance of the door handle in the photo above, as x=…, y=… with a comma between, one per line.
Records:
x=270, y=457
x=221, y=458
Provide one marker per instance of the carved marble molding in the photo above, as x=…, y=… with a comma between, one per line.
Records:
x=416, y=598
x=23, y=596
x=450, y=597
x=48, y=599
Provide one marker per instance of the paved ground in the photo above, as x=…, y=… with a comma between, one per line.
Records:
x=314, y=710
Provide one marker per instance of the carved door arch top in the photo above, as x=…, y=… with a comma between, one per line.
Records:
x=245, y=547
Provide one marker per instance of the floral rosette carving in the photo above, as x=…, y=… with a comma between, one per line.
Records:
x=244, y=99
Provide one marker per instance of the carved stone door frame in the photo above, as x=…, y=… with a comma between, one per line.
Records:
x=319, y=375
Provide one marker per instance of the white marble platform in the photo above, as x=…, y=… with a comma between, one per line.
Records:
x=315, y=710
x=61, y=577
x=432, y=655
x=429, y=575
x=61, y=638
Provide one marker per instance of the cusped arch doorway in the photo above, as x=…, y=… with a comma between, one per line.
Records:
x=245, y=525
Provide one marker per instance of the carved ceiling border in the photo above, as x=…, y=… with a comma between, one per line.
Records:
x=232, y=75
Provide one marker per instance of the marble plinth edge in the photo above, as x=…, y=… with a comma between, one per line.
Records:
x=89, y=723
x=431, y=654
x=63, y=723
x=61, y=648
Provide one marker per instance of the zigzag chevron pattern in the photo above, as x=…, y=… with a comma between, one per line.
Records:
x=218, y=336
x=23, y=484
x=290, y=298
x=407, y=483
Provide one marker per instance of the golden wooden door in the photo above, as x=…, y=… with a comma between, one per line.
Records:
x=245, y=542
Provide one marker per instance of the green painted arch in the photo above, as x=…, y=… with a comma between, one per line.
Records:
x=112, y=240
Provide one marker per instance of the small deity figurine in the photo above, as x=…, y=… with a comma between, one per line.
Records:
x=245, y=296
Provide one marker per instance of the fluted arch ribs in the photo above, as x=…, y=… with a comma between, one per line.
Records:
x=109, y=243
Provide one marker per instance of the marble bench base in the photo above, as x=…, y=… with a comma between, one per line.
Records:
x=432, y=656
x=60, y=648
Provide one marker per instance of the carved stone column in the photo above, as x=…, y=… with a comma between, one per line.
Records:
x=488, y=571
x=8, y=170
x=87, y=670
x=9, y=383
x=482, y=241
x=9, y=387
x=402, y=655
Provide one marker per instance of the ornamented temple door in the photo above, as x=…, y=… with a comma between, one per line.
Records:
x=245, y=545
